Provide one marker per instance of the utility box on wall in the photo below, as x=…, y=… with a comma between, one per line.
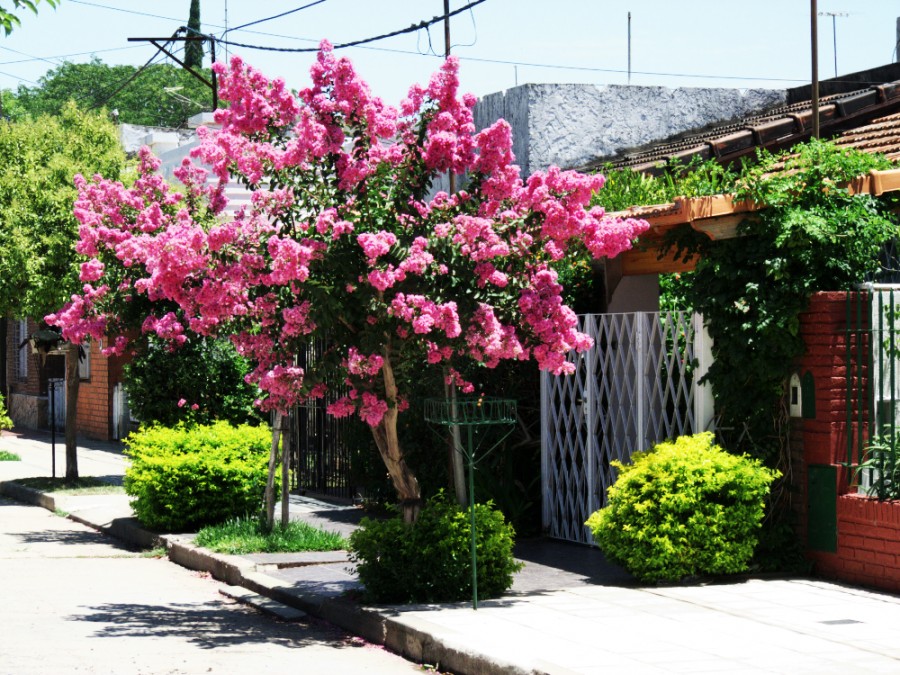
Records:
x=822, y=507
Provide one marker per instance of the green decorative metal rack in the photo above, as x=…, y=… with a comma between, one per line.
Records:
x=472, y=413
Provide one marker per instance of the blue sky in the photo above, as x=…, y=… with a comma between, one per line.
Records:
x=760, y=43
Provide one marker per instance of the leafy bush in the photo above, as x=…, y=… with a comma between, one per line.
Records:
x=683, y=508
x=5, y=422
x=198, y=383
x=186, y=477
x=7, y=456
x=430, y=561
x=882, y=467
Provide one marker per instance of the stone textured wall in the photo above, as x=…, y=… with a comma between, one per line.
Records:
x=570, y=125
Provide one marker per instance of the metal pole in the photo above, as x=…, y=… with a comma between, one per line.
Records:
x=451, y=175
x=629, y=47
x=472, y=520
x=834, y=37
x=52, y=386
x=814, y=45
x=215, y=80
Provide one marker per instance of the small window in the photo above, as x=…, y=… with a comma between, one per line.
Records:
x=23, y=350
x=84, y=361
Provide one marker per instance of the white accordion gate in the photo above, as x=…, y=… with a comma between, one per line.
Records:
x=636, y=386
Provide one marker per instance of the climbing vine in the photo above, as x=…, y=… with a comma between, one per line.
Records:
x=811, y=235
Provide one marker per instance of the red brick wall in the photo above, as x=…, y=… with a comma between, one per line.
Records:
x=95, y=398
x=868, y=531
x=94, y=418
x=868, y=551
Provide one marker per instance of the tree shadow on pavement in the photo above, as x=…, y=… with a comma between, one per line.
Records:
x=208, y=625
x=551, y=565
x=73, y=537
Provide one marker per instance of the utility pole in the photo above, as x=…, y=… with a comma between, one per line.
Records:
x=814, y=44
x=629, y=47
x=447, y=56
x=834, y=16
x=454, y=448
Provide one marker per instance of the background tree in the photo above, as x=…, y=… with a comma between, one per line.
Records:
x=39, y=267
x=342, y=243
x=161, y=95
x=193, y=51
x=9, y=20
x=202, y=382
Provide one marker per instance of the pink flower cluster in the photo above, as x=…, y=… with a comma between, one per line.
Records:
x=339, y=243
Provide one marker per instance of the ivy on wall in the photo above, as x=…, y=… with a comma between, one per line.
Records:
x=811, y=235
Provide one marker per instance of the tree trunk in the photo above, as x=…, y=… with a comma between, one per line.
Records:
x=72, y=382
x=388, y=443
x=287, y=437
x=455, y=450
x=270, y=481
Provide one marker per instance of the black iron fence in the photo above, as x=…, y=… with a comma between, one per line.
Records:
x=320, y=455
x=873, y=388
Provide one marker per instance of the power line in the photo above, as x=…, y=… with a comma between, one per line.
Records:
x=20, y=79
x=461, y=58
x=64, y=56
x=356, y=43
x=277, y=16
x=127, y=80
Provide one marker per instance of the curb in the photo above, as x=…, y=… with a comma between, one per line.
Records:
x=27, y=495
x=375, y=625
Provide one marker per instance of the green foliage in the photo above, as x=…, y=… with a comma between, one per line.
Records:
x=38, y=161
x=430, y=561
x=193, y=51
x=5, y=421
x=9, y=20
x=813, y=235
x=6, y=456
x=683, y=508
x=882, y=466
x=625, y=188
x=186, y=477
x=239, y=536
x=205, y=372
x=83, y=485
x=161, y=95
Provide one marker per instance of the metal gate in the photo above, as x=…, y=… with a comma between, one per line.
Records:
x=636, y=386
x=320, y=454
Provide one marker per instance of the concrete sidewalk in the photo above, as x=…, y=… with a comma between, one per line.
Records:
x=568, y=612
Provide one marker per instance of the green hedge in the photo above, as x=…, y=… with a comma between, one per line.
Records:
x=430, y=561
x=683, y=508
x=183, y=478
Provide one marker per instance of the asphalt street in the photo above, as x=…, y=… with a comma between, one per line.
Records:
x=72, y=600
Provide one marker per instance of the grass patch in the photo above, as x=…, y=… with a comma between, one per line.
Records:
x=158, y=552
x=249, y=535
x=7, y=456
x=85, y=485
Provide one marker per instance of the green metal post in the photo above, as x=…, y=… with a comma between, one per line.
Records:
x=472, y=521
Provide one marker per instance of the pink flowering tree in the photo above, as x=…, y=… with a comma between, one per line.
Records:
x=342, y=242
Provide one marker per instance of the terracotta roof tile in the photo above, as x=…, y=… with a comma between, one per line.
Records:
x=868, y=119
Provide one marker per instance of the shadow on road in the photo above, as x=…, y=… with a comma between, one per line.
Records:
x=209, y=625
x=69, y=537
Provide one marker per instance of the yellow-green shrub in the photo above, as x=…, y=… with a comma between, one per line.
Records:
x=183, y=478
x=683, y=508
